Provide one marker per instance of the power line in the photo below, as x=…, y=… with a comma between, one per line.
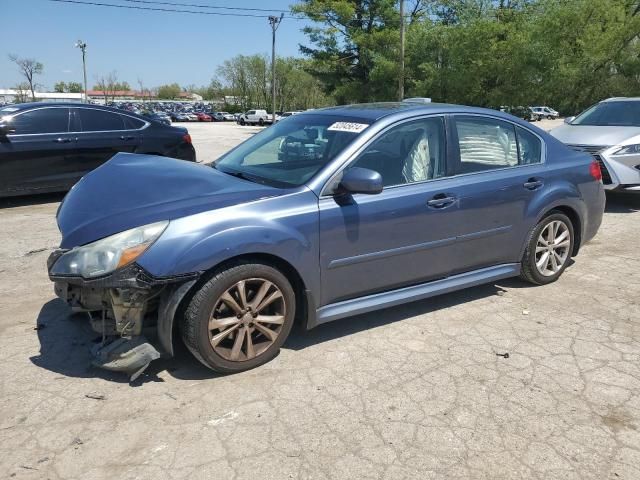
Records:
x=160, y=9
x=173, y=4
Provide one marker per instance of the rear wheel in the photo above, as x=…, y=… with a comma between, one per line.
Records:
x=240, y=318
x=261, y=122
x=548, y=249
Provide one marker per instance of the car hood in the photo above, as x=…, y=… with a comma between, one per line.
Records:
x=133, y=190
x=593, y=135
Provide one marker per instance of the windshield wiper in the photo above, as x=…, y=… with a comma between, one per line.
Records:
x=242, y=175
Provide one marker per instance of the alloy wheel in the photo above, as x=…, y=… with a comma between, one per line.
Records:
x=247, y=319
x=552, y=248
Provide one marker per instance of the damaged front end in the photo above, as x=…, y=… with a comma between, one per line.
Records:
x=125, y=307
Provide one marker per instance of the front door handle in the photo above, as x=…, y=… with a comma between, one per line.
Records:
x=533, y=184
x=441, y=201
x=122, y=137
x=62, y=140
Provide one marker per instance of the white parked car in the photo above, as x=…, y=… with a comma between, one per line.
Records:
x=254, y=117
x=540, y=113
x=610, y=132
x=288, y=114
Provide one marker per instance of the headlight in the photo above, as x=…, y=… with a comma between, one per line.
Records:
x=106, y=255
x=628, y=150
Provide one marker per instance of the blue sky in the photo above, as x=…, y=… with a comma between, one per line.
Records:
x=157, y=47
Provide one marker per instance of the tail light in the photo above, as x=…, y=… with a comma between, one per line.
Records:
x=594, y=170
x=187, y=138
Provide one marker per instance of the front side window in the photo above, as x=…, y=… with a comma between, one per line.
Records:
x=408, y=153
x=99, y=120
x=292, y=151
x=43, y=120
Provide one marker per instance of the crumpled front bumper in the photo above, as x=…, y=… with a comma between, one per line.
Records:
x=120, y=305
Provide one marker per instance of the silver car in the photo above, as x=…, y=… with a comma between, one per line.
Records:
x=610, y=131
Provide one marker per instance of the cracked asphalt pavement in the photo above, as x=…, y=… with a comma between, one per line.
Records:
x=421, y=391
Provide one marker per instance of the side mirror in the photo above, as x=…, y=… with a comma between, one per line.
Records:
x=361, y=180
x=6, y=128
x=569, y=119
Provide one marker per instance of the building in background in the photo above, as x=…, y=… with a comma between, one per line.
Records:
x=10, y=95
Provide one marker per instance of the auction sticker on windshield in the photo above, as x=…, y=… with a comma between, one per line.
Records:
x=348, y=127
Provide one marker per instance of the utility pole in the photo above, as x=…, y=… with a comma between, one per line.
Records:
x=401, y=75
x=83, y=46
x=275, y=23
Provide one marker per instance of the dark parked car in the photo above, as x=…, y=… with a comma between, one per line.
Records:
x=47, y=147
x=159, y=117
x=326, y=214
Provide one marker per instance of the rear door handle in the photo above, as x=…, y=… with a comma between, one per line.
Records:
x=533, y=184
x=62, y=140
x=441, y=201
x=122, y=137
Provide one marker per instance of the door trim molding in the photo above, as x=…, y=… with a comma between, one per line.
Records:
x=347, y=308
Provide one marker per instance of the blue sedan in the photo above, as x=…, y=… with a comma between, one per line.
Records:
x=328, y=214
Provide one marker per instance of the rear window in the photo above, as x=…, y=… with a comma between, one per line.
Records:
x=43, y=120
x=99, y=120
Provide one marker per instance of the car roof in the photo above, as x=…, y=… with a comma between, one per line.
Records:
x=376, y=111
x=622, y=99
x=20, y=107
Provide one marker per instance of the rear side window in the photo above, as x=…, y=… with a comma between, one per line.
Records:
x=99, y=121
x=44, y=120
x=529, y=147
x=131, y=123
x=486, y=144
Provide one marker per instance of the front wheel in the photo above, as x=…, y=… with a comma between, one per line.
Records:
x=242, y=122
x=240, y=318
x=548, y=250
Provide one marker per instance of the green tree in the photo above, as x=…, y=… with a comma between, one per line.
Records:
x=75, y=87
x=60, y=87
x=169, y=92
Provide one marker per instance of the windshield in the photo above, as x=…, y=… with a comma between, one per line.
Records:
x=611, y=114
x=292, y=151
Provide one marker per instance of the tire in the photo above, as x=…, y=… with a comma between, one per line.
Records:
x=255, y=347
x=261, y=122
x=242, y=122
x=532, y=271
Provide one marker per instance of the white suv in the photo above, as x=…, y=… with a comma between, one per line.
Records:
x=540, y=113
x=253, y=117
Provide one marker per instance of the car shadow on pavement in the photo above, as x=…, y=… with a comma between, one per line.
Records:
x=622, y=202
x=299, y=338
x=28, y=200
x=65, y=343
x=66, y=339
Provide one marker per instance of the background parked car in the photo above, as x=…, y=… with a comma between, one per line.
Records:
x=610, y=131
x=254, y=117
x=203, y=117
x=288, y=114
x=540, y=113
x=160, y=117
x=518, y=111
x=47, y=147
